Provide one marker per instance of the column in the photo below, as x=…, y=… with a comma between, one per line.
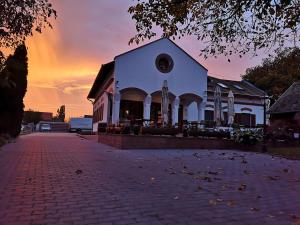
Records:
x=201, y=110
x=147, y=107
x=175, y=108
x=186, y=112
x=116, y=108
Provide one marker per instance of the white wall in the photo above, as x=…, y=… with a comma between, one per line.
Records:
x=138, y=69
x=257, y=110
x=103, y=99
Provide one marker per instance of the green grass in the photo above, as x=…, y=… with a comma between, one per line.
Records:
x=289, y=153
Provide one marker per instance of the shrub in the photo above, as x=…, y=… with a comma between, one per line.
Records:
x=248, y=137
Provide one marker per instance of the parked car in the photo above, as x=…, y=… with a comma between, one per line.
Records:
x=45, y=127
x=81, y=125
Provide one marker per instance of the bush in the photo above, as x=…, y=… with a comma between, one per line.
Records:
x=248, y=137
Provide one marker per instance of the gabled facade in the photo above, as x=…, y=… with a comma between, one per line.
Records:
x=129, y=88
x=287, y=108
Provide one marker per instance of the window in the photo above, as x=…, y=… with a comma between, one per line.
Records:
x=164, y=63
x=222, y=85
x=98, y=114
x=238, y=87
x=245, y=119
x=209, y=115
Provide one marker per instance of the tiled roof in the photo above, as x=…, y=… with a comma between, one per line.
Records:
x=237, y=87
x=288, y=102
x=105, y=71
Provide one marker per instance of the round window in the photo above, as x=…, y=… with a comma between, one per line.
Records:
x=164, y=63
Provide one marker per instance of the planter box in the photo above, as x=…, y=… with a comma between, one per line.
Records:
x=168, y=142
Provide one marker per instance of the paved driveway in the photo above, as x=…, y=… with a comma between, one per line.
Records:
x=64, y=179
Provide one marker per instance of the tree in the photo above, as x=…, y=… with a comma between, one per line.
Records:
x=19, y=18
x=60, y=117
x=11, y=96
x=276, y=74
x=224, y=26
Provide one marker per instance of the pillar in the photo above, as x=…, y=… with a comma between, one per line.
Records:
x=116, y=108
x=175, y=108
x=186, y=112
x=147, y=107
x=201, y=110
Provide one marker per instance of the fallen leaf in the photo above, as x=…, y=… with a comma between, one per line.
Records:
x=208, y=179
x=212, y=202
x=271, y=216
x=255, y=209
x=213, y=173
x=242, y=187
x=286, y=170
x=231, y=203
x=244, y=161
x=187, y=172
x=246, y=172
x=176, y=198
x=78, y=172
x=272, y=178
x=200, y=188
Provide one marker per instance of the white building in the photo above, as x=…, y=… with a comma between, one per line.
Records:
x=130, y=88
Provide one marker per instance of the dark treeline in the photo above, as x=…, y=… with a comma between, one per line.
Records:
x=13, y=86
x=276, y=74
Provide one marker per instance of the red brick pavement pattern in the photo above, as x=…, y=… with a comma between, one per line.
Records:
x=39, y=185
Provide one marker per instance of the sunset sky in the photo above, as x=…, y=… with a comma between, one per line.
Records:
x=64, y=61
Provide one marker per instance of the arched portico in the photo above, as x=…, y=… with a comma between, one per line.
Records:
x=186, y=102
x=132, y=103
x=155, y=107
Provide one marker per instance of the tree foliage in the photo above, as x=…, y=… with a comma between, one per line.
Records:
x=224, y=26
x=276, y=74
x=61, y=114
x=19, y=18
x=11, y=95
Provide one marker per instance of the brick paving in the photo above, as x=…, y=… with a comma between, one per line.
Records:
x=64, y=179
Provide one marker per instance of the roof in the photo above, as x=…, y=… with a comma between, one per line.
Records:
x=105, y=71
x=160, y=40
x=237, y=87
x=288, y=102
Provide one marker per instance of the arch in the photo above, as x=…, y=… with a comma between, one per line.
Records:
x=246, y=109
x=188, y=98
x=133, y=94
x=156, y=96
